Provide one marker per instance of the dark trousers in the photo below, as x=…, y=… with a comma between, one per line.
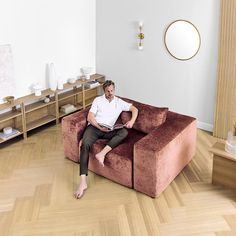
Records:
x=90, y=136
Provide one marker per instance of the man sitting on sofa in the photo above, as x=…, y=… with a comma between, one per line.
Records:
x=105, y=110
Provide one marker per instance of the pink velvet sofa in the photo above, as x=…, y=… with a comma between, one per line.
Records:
x=157, y=148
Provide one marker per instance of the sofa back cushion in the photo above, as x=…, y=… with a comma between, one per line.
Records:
x=149, y=117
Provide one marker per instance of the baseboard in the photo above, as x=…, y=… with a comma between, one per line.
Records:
x=205, y=126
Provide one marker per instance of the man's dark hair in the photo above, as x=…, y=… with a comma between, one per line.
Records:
x=107, y=83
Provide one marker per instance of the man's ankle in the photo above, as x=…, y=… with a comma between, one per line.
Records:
x=83, y=179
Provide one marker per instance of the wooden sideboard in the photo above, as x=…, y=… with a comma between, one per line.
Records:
x=29, y=112
x=224, y=166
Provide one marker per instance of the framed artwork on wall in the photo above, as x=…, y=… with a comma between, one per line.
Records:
x=7, y=80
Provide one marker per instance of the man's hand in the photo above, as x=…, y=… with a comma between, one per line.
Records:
x=104, y=129
x=129, y=124
x=92, y=120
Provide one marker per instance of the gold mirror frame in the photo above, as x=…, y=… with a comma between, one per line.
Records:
x=195, y=31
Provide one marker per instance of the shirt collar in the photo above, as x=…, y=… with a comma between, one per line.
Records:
x=107, y=99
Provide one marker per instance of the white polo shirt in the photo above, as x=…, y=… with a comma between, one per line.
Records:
x=108, y=112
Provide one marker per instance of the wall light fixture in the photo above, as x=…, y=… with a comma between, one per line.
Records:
x=140, y=36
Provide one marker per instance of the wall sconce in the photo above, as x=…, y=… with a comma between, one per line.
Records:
x=140, y=36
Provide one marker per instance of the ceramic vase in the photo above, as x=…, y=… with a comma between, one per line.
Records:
x=52, y=77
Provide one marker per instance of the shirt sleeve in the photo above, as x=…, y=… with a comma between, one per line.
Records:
x=94, y=107
x=125, y=106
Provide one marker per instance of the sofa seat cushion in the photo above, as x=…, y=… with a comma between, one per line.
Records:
x=118, y=162
x=149, y=117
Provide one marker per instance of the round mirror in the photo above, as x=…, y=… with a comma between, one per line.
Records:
x=182, y=40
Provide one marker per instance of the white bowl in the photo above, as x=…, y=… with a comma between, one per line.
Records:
x=71, y=80
x=86, y=70
x=46, y=100
x=7, y=130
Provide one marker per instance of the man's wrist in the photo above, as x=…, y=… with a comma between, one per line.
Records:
x=132, y=121
x=97, y=126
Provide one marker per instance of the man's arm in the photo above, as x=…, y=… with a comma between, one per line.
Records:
x=134, y=112
x=92, y=120
x=91, y=115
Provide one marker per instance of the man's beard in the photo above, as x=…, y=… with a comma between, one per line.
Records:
x=109, y=96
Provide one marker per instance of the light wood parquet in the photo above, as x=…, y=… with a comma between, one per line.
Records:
x=36, y=196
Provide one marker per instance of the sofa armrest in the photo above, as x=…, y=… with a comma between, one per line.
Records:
x=73, y=127
x=163, y=153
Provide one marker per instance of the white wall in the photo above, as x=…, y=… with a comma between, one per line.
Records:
x=152, y=75
x=44, y=31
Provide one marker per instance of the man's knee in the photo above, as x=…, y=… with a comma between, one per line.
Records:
x=123, y=133
x=86, y=144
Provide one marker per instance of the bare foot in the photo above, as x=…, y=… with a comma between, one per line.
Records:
x=100, y=157
x=80, y=191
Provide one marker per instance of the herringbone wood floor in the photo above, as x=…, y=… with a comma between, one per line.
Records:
x=37, y=182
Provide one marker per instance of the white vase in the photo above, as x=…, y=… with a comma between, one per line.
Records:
x=52, y=77
x=59, y=83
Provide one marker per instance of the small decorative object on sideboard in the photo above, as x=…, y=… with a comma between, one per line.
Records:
x=71, y=80
x=68, y=108
x=92, y=84
x=59, y=83
x=9, y=99
x=7, y=130
x=46, y=100
x=37, y=89
x=86, y=71
x=230, y=144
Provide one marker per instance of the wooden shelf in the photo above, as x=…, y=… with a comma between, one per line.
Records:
x=8, y=105
x=40, y=122
x=219, y=149
x=78, y=107
x=87, y=89
x=37, y=105
x=78, y=83
x=69, y=94
x=32, y=97
x=10, y=115
x=33, y=112
x=224, y=166
x=89, y=101
x=98, y=77
x=90, y=90
x=13, y=136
